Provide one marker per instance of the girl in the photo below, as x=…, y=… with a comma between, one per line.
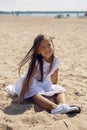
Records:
x=41, y=78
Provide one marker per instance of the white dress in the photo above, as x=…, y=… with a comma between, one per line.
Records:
x=45, y=88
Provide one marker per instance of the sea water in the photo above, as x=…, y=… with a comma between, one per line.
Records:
x=48, y=14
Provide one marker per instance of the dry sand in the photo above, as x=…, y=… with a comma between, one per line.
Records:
x=16, y=36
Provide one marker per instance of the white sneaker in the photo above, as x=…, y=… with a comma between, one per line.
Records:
x=65, y=109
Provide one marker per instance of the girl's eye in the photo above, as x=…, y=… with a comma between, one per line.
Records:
x=49, y=45
x=44, y=47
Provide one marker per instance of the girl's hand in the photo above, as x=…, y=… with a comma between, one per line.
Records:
x=19, y=100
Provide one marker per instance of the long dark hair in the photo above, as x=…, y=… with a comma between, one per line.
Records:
x=32, y=56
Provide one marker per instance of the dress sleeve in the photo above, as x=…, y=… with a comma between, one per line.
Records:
x=24, y=75
x=56, y=64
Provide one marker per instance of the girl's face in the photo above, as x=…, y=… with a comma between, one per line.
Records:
x=46, y=49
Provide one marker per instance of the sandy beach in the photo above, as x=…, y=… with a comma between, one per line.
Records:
x=16, y=37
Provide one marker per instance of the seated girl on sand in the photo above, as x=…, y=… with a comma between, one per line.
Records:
x=40, y=81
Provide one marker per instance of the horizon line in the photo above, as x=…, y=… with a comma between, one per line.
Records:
x=44, y=11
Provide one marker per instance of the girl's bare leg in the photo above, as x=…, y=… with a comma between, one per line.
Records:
x=60, y=98
x=44, y=102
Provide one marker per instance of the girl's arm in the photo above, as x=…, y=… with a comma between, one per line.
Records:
x=20, y=99
x=54, y=77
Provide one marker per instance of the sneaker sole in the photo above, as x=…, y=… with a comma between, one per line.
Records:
x=74, y=110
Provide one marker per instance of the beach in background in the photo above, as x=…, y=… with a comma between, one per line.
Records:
x=16, y=37
x=56, y=14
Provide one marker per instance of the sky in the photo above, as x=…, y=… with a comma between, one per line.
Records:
x=43, y=5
